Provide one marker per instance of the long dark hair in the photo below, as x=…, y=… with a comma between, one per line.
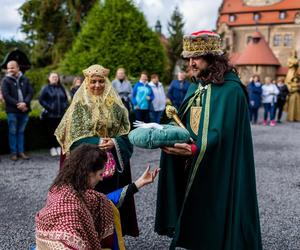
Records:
x=218, y=65
x=82, y=161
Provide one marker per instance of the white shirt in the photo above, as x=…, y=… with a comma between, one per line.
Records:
x=269, y=93
x=159, y=101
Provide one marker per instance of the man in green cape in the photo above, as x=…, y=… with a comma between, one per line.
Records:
x=206, y=191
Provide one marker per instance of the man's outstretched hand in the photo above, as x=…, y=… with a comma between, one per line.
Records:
x=182, y=149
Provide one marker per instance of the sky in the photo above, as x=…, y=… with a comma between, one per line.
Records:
x=198, y=15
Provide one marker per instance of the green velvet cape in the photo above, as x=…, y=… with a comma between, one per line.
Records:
x=212, y=203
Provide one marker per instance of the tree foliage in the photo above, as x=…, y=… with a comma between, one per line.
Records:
x=51, y=25
x=175, y=29
x=115, y=35
x=7, y=46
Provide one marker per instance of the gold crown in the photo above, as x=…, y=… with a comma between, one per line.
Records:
x=96, y=70
x=200, y=45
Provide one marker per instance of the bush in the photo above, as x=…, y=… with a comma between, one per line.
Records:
x=35, y=136
x=38, y=78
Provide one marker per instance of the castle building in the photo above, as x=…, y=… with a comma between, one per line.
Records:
x=260, y=35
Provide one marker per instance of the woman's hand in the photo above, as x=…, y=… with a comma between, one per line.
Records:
x=107, y=144
x=147, y=177
x=182, y=149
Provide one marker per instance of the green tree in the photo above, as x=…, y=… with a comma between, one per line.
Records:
x=51, y=25
x=175, y=29
x=116, y=35
x=7, y=46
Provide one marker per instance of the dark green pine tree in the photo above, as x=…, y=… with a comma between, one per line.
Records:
x=115, y=35
x=175, y=29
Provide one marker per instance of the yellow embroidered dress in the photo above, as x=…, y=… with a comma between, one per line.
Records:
x=87, y=120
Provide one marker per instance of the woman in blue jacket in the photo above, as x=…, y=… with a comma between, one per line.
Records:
x=254, y=91
x=142, y=96
x=54, y=100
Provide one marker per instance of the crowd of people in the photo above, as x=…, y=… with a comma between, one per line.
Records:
x=200, y=205
x=147, y=100
x=272, y=95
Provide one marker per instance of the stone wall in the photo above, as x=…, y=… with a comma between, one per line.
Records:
x=246, y=72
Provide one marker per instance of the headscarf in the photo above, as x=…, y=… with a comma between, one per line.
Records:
x=91, y=115
x=67, y=222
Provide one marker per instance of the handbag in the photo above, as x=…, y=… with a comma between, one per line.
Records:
x=110, y=166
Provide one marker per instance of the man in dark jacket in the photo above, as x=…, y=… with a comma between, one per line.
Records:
x=281, y=98
x=178, y=89
x=254, y=89
x=17, y=93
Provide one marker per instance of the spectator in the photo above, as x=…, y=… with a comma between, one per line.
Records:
x=254, y=91
x=178, y=89
x=123, y=87
x=54, y=100
x=159, y=102
x=281, y=98
x=76, y=84
x=142, y=96
x=269, y=99
x=17, y=93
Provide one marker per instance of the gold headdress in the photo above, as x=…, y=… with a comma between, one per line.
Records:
x=201, y=43
x=90, y=115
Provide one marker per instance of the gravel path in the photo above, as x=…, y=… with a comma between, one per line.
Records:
x=24, y=187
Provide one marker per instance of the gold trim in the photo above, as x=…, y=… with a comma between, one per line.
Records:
x=118, y=228
x=195, y=116
x=122, y=197
x=203, y=142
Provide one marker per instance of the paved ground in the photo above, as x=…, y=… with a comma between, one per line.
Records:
x=23, y=188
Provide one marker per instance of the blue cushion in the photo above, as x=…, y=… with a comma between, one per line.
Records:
x=155, y=138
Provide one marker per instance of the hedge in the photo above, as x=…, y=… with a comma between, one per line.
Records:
x=35, y=136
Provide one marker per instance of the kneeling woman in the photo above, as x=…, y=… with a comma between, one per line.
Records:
x=75, y=215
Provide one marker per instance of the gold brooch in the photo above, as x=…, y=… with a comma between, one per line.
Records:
x=109, y=101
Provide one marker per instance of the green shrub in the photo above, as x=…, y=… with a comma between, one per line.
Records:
x=36, y=110
x=38, y=78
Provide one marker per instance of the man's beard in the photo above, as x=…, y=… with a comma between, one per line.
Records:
x=198, y=73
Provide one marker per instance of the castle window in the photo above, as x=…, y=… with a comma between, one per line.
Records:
x=288, y=39
x=276, y=40
x=282, y=15
x=256, y=16
x=232, y=18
